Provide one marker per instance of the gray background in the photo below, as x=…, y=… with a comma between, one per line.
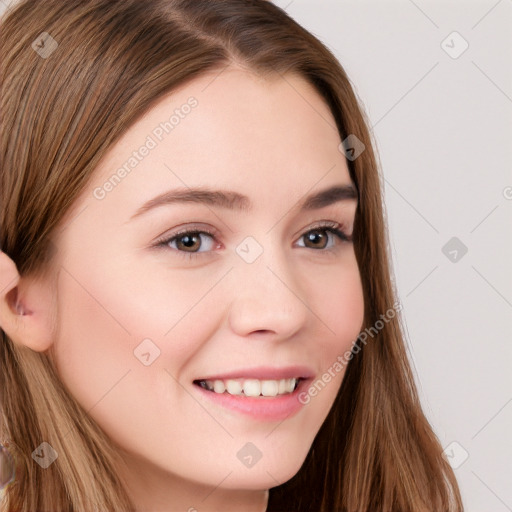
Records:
x=443, y=126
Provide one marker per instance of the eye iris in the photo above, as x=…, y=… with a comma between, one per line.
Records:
x=316, y=235
x=189, y=240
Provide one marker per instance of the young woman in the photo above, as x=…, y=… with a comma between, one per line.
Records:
x=196, y=301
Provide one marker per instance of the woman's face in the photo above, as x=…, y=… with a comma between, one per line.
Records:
x=268, y=296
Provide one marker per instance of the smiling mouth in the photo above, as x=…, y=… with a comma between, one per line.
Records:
x=250, y=387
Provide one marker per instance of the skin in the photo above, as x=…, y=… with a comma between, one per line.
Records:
x=275, y=141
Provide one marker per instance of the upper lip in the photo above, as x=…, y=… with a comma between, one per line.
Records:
x=264, y=373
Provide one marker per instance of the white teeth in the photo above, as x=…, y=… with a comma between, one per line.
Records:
x=251, y=387
x=218, y=386
x=234, y=387
x=290, y=385
x=269, y=387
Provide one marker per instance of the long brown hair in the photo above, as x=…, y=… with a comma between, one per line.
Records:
x=111, y=61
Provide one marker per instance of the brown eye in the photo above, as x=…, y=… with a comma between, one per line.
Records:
x=189, y=242
x=318, y=238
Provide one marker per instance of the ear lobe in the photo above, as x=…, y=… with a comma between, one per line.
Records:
x=25, y=314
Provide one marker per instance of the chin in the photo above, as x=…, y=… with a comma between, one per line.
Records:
x=264, y=475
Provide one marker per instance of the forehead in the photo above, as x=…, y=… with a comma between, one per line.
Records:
x=229, y=129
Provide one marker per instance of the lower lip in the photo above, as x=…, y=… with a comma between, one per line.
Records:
x=264, y=408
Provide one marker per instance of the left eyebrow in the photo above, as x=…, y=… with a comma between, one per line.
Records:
x=231, y=200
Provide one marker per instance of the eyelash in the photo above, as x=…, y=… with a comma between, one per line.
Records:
x=331, y=227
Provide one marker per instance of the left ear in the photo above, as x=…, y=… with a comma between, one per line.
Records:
x=26, y=304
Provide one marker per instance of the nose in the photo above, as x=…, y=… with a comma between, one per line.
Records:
x=267, y=296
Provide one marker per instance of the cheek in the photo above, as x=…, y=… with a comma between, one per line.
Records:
x=344, y=306
x=339, y=304
x=111, y=318
x=103, y=319
x=94, y=347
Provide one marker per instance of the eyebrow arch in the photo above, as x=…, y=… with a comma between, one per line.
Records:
x=234, y=201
